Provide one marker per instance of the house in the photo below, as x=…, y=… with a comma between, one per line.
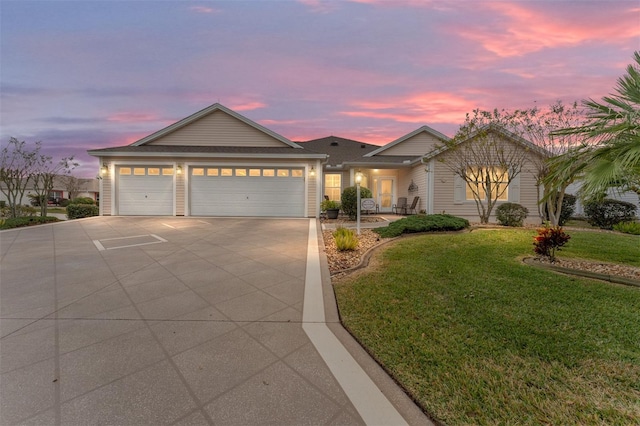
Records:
x=84, y=188
x=213, y=163
x=217, y=162
x=614, y=193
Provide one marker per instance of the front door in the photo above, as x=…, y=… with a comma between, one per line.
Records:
x=385, y=193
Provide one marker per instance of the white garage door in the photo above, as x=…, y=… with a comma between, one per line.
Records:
x=247, y=191
x=145, y=190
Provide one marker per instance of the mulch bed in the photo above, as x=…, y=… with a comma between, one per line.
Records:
x=339, y=261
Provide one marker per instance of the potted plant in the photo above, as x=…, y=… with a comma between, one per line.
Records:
x=331, y=207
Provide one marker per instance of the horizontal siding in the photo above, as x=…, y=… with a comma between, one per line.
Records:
x=218, y=129
x=443, y=198
x=420, y=144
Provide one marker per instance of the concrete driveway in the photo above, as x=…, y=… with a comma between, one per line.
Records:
x=121, y=320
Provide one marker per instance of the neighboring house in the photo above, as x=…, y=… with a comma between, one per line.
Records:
x=218, y=163
x=628, y=196
x=86, y=188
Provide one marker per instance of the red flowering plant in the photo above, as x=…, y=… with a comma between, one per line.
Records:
x=549, y=240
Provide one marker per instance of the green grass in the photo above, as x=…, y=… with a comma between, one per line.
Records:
x=62, y=210
x=477, y=337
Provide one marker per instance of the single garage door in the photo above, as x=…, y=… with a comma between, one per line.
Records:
x=145, y=190
x=247, y=191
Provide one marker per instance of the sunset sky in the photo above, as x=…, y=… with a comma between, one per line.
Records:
x=79, y=75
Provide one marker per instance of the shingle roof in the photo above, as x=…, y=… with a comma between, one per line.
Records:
x=186, y=150
x=340, y=150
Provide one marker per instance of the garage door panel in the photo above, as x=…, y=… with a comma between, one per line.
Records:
x=145, y=195
x=247, y=196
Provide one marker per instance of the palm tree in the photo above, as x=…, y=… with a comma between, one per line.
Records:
x=610, y=155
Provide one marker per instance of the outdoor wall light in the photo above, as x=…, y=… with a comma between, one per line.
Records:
x=312, y=172
x=104, y=169
x=179, y=170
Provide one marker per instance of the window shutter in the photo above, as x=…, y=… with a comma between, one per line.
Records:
x=514, y=190
x=459, y=190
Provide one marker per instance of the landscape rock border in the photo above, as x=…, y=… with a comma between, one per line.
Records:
x=581, y=272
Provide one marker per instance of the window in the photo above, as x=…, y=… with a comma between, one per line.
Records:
x=241, y=172
x=197, y=171
x=482, y=178
x=167, y=171
x=139, y=171
x=125, y=170
x=268, y=173
x=153, y=171
x=254, y=172
x=212, y=172
x=226, y=172
x=296, y=173
x=283, y=172
x=333, y=186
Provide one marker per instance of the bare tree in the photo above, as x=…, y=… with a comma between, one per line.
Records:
x=72, y=185
x=16, y=168
x=539, y=127
x=44, y=174
x=487, y=152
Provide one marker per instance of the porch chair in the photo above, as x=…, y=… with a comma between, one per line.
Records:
x=401, y=206
x=412, y=207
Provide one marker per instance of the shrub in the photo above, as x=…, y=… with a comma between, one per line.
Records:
x=3, y=204
x=19, y=222
x=77, y=211
x=345, y=239
x=628, y=227
x=329, y=204
x=349, y=200
x=607, y=212
x=511, y=214
x=568, y=209
x=82, y=200
x=36, y=200
x=420, y=223
x=63, y=202
x=549, y=240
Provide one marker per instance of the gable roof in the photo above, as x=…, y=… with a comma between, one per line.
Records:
x=426, y=129
x=203, y=113
x=496, y=129
x=339, y=150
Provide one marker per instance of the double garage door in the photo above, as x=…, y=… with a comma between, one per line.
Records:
x=246, y=191
x=213, y=191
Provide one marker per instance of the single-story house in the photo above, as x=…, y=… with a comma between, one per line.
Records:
x=217, y=162
x=85, y=188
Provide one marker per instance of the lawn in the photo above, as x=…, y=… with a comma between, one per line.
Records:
x=477, y=337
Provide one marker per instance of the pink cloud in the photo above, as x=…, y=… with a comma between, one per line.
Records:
x=519, y=29
x=247, y=106
x=203, y=9
x=423, y=108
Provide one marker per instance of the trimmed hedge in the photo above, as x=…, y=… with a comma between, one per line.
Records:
x=82, y=200
x=19, y=222
x=423, y=223
x=78, y=211
x=511, y=214
x=608, y=212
